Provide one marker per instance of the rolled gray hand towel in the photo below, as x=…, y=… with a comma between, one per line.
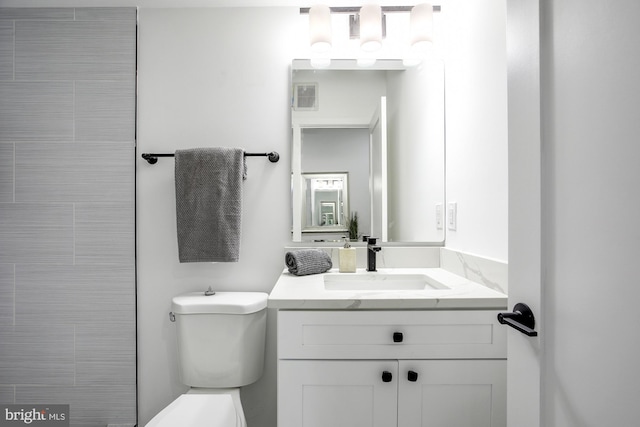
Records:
x=307, y=261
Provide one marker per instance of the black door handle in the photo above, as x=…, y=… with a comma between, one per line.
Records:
x=397, y=337
x=412, y=376
x=521, y=319
x=386, y=376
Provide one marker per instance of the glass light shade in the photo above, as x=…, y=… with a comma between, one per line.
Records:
x=370, y=27
x=421, y=27
x=320, y=28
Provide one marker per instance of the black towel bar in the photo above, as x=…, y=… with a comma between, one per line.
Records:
x=152, y=158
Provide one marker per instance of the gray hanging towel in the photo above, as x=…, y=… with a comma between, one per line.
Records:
x=209, y=203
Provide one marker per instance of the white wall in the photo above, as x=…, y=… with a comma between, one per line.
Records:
x=476, y=130
x=591, y=236
x=416, y=147
x=210, y=77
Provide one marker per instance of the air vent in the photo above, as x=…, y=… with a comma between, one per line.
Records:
x=305, y=96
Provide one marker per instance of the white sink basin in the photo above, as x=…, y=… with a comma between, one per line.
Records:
x=380, y=282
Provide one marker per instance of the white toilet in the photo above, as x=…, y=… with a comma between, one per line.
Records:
x=221, y=340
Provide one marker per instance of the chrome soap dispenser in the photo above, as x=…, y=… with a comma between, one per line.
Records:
x=347, y=258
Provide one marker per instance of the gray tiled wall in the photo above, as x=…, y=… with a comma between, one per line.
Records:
x=6, y=50
x=7, y=292
x=36, y=111
x=67, y=254
x=74, y=172
x=6, y=173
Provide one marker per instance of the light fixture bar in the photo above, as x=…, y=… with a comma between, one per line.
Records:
x=356, y=9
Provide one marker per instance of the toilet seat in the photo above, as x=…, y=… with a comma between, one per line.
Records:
x=197, y=410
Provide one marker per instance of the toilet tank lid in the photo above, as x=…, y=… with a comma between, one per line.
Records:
x=219, y=303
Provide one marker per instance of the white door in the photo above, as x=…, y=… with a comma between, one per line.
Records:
x=523, y=56
x=460, y=393
x=378, y=171
x=335, y=393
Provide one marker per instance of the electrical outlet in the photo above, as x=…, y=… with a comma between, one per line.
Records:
x=439, y=223
x=452, y=216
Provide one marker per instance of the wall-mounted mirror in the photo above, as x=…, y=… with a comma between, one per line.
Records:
x=383, y=126
x=325, y=202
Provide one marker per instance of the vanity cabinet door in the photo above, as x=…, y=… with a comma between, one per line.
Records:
x=320, y=393
x=452, y=393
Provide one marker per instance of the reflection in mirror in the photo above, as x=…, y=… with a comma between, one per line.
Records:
x=325, y=202
x=327, y=213
x=326, y=149
x=384, y=126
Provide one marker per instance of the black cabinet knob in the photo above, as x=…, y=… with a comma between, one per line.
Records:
x=412, y=376
x=397, y=337
x=386, y=376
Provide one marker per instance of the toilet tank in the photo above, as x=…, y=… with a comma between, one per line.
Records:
x=221, y=338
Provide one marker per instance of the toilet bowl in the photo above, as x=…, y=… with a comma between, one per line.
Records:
x=221, y=340
x=210, y=410
x=203, y=408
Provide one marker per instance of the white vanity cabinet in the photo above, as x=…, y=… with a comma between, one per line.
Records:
x=324, y=393
x=391, y=368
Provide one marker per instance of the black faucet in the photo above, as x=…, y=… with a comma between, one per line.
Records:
x=372, y=248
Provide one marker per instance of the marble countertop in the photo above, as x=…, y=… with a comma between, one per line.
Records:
x=308, y=293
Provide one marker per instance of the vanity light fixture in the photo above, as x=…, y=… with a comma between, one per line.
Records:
x=368, y=23
x=421, y=27
x=320, y=36
x=370, y=27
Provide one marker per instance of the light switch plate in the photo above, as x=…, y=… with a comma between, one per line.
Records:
x=452, y=216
